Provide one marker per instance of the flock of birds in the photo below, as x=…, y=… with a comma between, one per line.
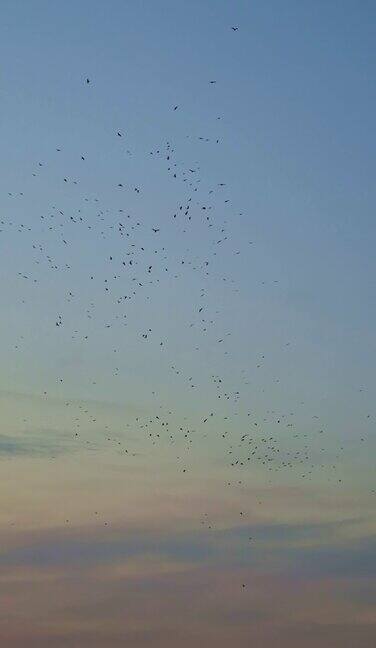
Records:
x=144, y=262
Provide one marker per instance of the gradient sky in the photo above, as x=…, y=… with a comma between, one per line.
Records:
x=118, y=530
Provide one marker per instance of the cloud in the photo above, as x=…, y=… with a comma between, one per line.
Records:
x=46, y=443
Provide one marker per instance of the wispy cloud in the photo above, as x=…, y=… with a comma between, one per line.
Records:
x=46, y=443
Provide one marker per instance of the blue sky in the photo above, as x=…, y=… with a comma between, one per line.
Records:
x=295, y=92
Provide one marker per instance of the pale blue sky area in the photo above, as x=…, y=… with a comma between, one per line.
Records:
x=295, y=91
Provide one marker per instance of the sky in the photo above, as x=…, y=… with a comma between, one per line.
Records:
x=188, y=355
